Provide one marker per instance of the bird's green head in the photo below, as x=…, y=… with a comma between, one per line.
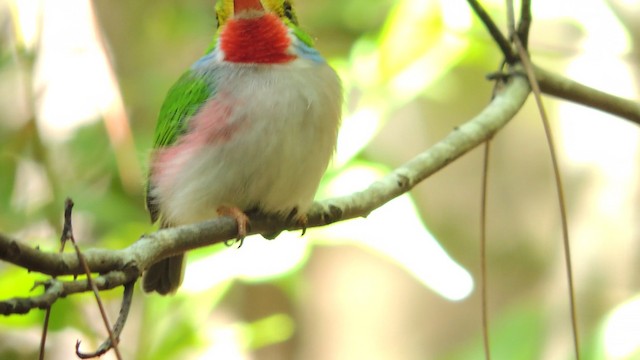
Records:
x=259, y=31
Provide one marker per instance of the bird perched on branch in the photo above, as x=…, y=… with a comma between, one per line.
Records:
x=251, y=125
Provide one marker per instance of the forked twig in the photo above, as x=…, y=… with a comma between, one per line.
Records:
x=63, y=239
x=108, y=344
x=556, y=84
x=67, y=233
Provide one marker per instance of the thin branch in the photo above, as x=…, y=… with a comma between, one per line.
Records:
x=511, y=19
x=126, y=264
x=483, y=252
x=525, y=23
x=55, y=289
x=557, y=85
x=528, y=66
x=127, y=298
x=67, y=228
x=43, y=337
x=494, y=31
x=67, y=234
x=484, y=294
x=49, y=263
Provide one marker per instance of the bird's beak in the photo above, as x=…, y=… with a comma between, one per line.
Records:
x=243, y=5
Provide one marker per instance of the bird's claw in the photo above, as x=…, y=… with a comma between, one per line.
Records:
x=302, y=222
x=298, y=220
x=242, y=220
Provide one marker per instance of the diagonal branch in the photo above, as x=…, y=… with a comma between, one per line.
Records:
x=497, y=35
x=524, y=24
x=122, y=266
x=109, y=344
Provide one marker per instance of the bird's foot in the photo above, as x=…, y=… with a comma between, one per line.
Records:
x=293, y=218
x=241, y=219
x=300, y=220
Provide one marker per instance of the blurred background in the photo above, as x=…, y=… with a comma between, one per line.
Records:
x=81, y=83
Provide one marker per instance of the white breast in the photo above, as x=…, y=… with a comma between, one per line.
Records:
x=288, y=119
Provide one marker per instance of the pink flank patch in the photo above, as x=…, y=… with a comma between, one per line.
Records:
x=258, y=40
x=211, y=124
x=208, y=127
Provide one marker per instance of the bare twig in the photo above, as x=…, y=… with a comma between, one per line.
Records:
x=511, y=19
x=528, y=66
x=43, y=337
x=483, y=252
x=557, y=85
x=56, y=289
x=525, y=22
x=524, y=25
x=50, y=263
x=67, y=233
x=484, y=294
x=108, y=344
x=494, y=31
x=67, y=228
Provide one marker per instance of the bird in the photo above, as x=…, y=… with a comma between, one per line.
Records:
x=250, y=126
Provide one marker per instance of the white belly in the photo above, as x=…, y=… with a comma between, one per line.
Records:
x=287, y=117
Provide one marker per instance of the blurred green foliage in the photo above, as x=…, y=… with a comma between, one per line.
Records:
x=412, y=70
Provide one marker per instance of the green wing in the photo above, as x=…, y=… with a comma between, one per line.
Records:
x=184, y=99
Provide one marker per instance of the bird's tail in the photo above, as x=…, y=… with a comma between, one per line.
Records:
x=165, y=276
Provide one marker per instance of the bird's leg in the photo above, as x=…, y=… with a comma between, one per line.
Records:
x=241, y=219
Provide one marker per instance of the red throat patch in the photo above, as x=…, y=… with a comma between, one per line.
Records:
x=258, y=40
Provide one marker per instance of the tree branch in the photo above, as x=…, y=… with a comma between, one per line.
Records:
x=497, y=35
x=557, y=85
x=122, y=266
x=55, y=289
x=109, y=344
x=55, y=264
x=524, y=24
x=554, y=84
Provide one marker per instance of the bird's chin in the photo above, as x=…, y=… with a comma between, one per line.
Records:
x=249, y=14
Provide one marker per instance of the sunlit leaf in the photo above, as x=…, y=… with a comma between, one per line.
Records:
x=414, y=248
x=412, y=28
